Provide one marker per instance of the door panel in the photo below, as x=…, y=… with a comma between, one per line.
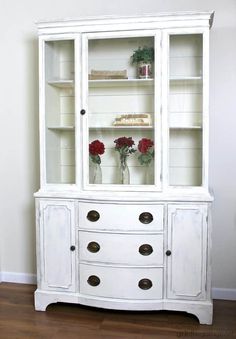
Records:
x=56, y=237
x=187, y=241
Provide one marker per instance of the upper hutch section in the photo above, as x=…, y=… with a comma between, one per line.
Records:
x=114, y=23
x=109, y=122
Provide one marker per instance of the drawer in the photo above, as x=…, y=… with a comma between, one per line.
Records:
x=131, y=249
x=121, y=217
x=120, y=282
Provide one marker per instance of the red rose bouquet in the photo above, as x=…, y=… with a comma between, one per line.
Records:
x=96, y=148
x=124, y=146
x=145, y=147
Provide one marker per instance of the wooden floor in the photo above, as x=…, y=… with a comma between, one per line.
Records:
x=18, y=319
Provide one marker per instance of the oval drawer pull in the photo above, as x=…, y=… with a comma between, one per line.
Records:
x=93, y=247
x=145, y=249
x=146, y=218
x=145, y=284
x=93, y=280
x=93, y=216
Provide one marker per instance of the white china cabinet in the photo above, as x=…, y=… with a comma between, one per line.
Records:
x=123, y=211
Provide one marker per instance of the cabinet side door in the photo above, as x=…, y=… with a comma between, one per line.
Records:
x=56, y=232
x=187, y=243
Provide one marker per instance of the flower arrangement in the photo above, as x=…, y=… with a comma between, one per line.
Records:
x=124, y=146
x=96, y=148
x=144, y=54
x=145, y=147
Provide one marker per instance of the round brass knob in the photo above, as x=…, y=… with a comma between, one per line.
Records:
x=145, y=249
x=145, y=284
x=93, y=247
x=145, y=218
x=93, y=216
x=93, y=280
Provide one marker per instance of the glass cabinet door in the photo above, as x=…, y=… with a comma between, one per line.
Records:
x=122, y=110
x=185, y=109
x=59, y=112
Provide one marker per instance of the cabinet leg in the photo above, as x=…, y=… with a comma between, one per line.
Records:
x=41, y=301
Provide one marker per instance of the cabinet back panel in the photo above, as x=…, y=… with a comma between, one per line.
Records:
x=185, y=157
x=59, y=59
x=60, y=157
x=115, y=54
x=186, y=55
x=59, y=106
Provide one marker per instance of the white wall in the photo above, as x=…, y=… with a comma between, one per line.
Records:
x=19, y=173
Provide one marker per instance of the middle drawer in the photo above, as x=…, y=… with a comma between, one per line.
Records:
x=128, y=249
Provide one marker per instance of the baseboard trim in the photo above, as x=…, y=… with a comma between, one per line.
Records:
x=224, y=293
x=20, y=278
x=26, y=278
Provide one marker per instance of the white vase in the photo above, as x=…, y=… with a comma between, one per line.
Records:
x=149, y=173
x=124, y=176
x=95, y=173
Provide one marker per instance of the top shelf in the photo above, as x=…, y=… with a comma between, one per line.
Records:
x=69, y=83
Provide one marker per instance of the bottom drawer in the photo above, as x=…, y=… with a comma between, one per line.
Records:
x=117, y=282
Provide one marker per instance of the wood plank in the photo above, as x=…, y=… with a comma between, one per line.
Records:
x=19, y=320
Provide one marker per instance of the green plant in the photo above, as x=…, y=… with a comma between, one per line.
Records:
x=144, y=54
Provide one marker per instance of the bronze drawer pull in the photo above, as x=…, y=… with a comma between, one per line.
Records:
x=93, y=247
x=93, y=216
x=93, y=280
x=145, y=284
x=145, y=218
x=145, y=249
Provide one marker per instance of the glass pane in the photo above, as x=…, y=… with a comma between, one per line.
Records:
x=60, y=112
x=185, y=110
x=121, y=111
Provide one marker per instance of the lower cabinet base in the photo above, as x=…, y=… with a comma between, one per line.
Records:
x=203, y=310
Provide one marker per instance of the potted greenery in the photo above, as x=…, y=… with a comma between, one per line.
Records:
x=144, y=58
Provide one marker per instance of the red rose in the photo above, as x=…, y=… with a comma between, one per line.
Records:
x=96, y=147
x=144, y=145
x=124, y=142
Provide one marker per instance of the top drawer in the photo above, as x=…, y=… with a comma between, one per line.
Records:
x=121, y=217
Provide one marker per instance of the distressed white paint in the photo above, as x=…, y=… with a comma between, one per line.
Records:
x=187, y=241
x=177, y=100
x=56, y=231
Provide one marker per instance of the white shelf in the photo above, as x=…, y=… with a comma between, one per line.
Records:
x=186, y=127
x=121, y=82
x=107, y=128
x=184, y=78
x=61, y=83
x=62, y=128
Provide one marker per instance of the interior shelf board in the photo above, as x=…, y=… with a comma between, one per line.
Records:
x=186, y=127
x=61, y=83
x=185, y=78
x=62, y=128
x=107, y=128
x=121, y=82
